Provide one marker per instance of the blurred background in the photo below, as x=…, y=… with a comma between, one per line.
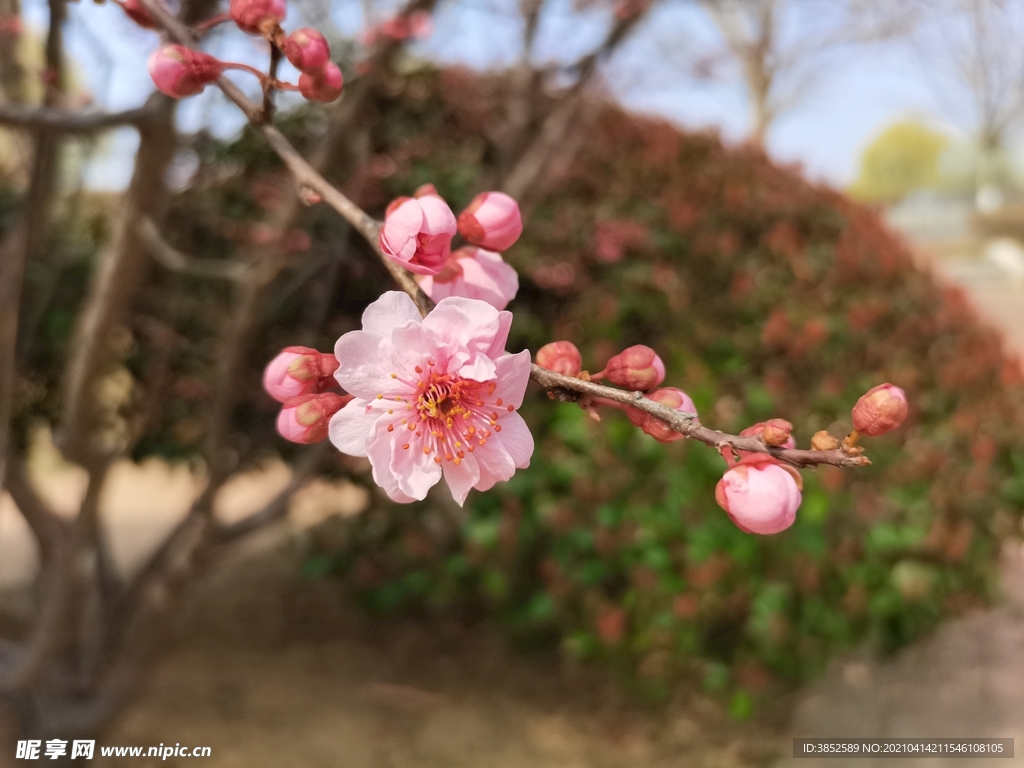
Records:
x=790, y=200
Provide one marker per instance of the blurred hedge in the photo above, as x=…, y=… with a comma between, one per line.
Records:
x=765, y=295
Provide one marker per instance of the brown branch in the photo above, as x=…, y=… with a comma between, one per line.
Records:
x=28, y=234
x=61, y=121
x=114, y=285
x=277, y=508
x=686, y=424
x=47, y=526
x=534, y=158
x=171, y=258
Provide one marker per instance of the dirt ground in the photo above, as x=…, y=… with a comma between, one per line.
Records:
x=271, y=670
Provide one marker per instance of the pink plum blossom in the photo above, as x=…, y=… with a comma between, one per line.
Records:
x=417, y=233
x=299, y=371
x=307, y=50
x=306, y=418
x=474, y=273
x=760, y=495
x=179, y=71
x=434, y=395
x=492, y=221
x=655, y=427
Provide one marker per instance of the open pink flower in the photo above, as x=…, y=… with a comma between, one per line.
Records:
x=418, y=232
x=760, y=495
x=433, y=395
x=474, y=273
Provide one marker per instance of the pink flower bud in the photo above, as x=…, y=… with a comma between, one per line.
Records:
x=179, y=71
x=138, y=13
x=299, y=371
x=760, y=495
x=417, y=233
x=305, y=419
x=655, y=427
x=561, y=357
x=491, y=221
x=880, y=410
x=252, y=16
x=774, y=432
x=325, y=86
x=636, y=367
x=307, y=50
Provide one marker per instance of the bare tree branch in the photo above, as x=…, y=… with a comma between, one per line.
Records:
x=60, y=121
x=47, y=526
x=277, y=508
x=171, y=258
x=20, y=247
x=532, y=161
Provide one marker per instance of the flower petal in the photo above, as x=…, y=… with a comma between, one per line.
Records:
x=516, y=439
x=392, y=310
x=465, y=322
x=401, y=227
x=462, y=477
x=352, y=426
x=366, y=364
x=415, y=472
x=512, y=374
x=378, y=450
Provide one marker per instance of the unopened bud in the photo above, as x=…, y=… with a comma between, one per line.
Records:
x=637, y=367
x=179, y=71
x=760, y=495
x=305, y=419
x=561, y=357
x=774, y=432
x=299, y=371
x=652, y=425
x=492, y=221
x=324, y=86
x=252, y=16
x=307, y=50
x=880, y=410
x=138, y=13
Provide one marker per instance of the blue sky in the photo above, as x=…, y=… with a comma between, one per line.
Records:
x=825, y=134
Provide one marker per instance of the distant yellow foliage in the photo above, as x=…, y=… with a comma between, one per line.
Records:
x=903, y=158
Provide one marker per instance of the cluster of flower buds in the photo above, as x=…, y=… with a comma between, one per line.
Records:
x=298, y=378
x=179, y=71
x=637, y=368
x=418, y=232
x=761, y=494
